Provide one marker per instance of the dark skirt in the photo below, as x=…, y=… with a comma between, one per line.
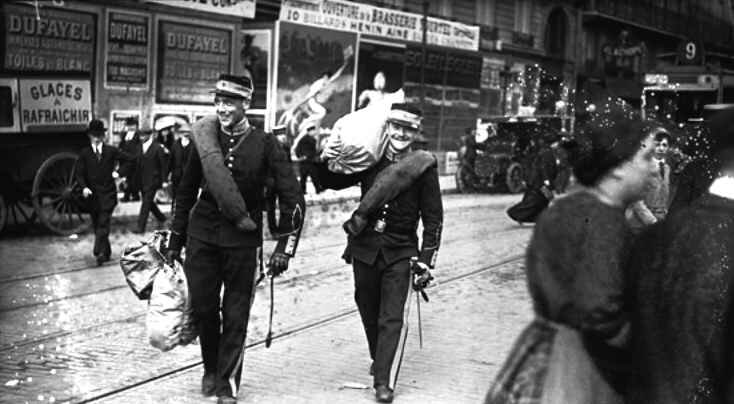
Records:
x=531, y=206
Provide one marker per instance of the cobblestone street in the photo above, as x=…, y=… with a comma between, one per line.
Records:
x=76, y=334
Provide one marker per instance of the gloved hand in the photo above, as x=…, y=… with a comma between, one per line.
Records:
x=246, y=224
x=173, y=255
x=86, y=192
x=421, y=276
x=355, y=225
x=278, y=263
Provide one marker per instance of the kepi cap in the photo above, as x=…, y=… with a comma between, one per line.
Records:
x=233, y=86
x=279, y=130
x=405, y=114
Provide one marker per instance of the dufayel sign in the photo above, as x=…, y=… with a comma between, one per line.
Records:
x=52, y=104
x=382, y=22
x=235, y=8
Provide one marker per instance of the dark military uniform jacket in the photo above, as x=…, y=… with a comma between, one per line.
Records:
x=399, y=240
x=254, y=160
x=97, y=175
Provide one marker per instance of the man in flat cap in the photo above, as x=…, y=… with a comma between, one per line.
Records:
x=95, y=166
x=401, y=189
x=230, y=162
x=683, y=277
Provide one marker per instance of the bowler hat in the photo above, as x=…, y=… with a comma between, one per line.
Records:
x=96, y=128
x=233, y=86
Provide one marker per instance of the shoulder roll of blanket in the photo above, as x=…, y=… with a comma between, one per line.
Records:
x=218, y=178
x=388, y=184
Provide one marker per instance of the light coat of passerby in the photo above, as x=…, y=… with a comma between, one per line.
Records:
x=222, y=228
x=683, y=306
x=574, y=352
x=152, y=171
x=95, y=166
x=381, y=252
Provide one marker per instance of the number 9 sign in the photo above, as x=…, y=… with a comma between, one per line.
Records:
x=691, y=53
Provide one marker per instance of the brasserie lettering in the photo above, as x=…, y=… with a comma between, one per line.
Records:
x=49, y=27
x=56, y=90
x=196, y=43
x=395, y=19
x=128, y=32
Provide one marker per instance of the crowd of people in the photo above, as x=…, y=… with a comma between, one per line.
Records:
x=632, y=299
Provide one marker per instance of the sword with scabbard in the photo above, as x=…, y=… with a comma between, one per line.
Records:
x=419, y=285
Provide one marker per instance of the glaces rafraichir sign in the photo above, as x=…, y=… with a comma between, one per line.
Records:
x=381, y=22
x=190, y=59
x=60, y=41
x=55, y=104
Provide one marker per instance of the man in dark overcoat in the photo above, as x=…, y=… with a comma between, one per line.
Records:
x=130, y=144
x=222, y=228
x=682, y=301
x=94, y=170
x=271, y=197
x=385, y=240
x=180, y=152
x=152, y=171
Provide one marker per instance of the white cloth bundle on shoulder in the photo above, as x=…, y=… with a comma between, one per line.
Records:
x=359, y=138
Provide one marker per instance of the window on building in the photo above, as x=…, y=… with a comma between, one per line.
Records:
x=523, y=15
x=555, y=33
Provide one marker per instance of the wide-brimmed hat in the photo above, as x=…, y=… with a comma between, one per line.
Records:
x=96, y=128
x=233, y=86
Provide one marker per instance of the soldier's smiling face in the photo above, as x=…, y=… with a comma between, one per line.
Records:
x=401, y=136
x=230, y=110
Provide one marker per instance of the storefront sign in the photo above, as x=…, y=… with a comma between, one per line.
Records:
x=190, y=59
x=127, y=52
x=46, y=104
x=382, y=22
x=60, y=41
x=454, y=69
x=235, y=8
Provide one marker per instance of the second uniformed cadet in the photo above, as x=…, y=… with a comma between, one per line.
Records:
x=230, y=162
x=380, y=254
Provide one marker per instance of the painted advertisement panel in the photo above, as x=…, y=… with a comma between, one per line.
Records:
x=53, y=104
x=58, y=41
x=127, y=54
x=190, y=59
x=315, y=76
x=235, y=8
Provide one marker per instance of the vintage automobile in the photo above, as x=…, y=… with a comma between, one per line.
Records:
x=497, y=157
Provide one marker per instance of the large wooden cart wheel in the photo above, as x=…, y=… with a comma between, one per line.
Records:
x=514, y=178
x=56, y=195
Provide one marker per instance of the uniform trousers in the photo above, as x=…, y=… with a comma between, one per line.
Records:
x=208, y=267
x=381, y=291
x=101, y=224
x=308, y=169
x=146, y=207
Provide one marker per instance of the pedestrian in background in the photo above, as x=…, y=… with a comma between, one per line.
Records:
x=271, y=196
x=180, y=152
x=130, y=144
x=381, y=253
x=152, y=172
x=683, y=318
x=653, y=207
x=307, y=155
x=541, y=182
x=95, y=166
x=575, y=351
x=222, y=228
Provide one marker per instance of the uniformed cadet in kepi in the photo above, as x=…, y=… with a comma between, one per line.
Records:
x=230, y=162
x=381, y=249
